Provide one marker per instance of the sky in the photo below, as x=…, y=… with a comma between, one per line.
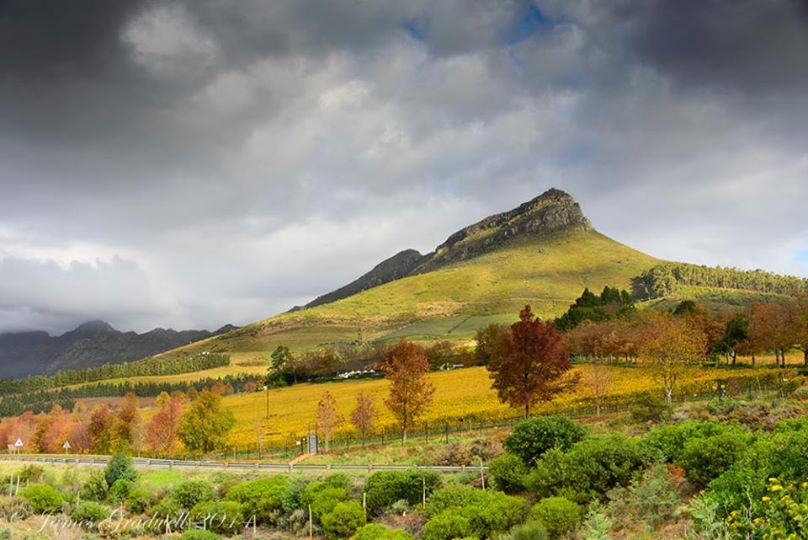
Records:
x=192, y=163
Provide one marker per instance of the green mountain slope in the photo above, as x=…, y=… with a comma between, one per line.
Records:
x=543, y=253
x=547, y=271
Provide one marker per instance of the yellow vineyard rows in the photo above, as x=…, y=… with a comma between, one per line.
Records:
x=460, y=393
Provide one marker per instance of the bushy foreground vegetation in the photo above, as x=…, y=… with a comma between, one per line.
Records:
x=528, y=364
x=725, y=469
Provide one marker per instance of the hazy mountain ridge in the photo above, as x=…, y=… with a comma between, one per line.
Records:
x=90, y=344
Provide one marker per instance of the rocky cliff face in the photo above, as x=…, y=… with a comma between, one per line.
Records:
x=552, y=211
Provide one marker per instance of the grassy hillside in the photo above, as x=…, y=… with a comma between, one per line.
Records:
x=548, y=272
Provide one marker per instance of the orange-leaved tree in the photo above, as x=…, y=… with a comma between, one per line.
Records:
x=328, y=418
x=771, y=328
x=533, y=364
x=364, y=414
x=405, y=365
x=161, y=431
x=668, y=346
x=127, y=425
x=801, y=327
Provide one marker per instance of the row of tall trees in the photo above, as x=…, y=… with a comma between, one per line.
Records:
x=529, y=361
x=405, y=365
x=147, y=367
x=666, y=278
x=200, y=424
x=724, y=336
x=44, y=400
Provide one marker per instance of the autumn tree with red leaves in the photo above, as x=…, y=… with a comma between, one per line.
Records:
x=328, y=418
x=100, y=430
x=405, y=365
x=533, y=364
x=127, y=424
x=161, y=431
x=364, y=414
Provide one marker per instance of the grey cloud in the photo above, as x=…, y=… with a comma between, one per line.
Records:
x=247, y=155
x=49, y=296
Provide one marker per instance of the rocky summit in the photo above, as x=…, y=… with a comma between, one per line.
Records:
x=552, y=211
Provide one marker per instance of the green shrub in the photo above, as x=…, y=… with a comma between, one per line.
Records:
x=326, y=499
x=198, y=534
x=532, y=530
x=119, y=491
x=374, y=531
x=139, y=500
x=447, y=525
x=120, y=467
x=15, y=508
x=293, y=497
x=483, y=513
x=651, y=409
x=42, y=498
x=596, y=525
x=89, y=514
x=589, y=469
x=218, y=516
x=324, y=496
x=454, y=495
x=782, y=514
x=31, y=473
x=792, y=424
x=780, y=455
x=387, y=487
x=650, y=499
x=261, y=498
x=343, y=520
x=507, y=473
x=95, y=488
x=705, y=459
x=166, y=508
x=190, y=493
x=338, y=480
x=558, y=515
x=670, y=439
x=531, y=438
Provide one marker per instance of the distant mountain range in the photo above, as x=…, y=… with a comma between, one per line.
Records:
x=90, y=344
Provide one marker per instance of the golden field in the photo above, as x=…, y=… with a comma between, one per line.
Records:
x=458, y=394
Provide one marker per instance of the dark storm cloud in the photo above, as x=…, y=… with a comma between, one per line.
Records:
x=222, y=160
x=748, y=45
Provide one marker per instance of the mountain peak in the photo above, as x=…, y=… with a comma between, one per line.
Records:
x=554, y=210
x=94, y=327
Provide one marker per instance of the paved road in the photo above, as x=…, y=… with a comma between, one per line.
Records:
x=151, y=463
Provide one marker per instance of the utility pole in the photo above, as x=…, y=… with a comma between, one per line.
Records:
x=266, y=391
